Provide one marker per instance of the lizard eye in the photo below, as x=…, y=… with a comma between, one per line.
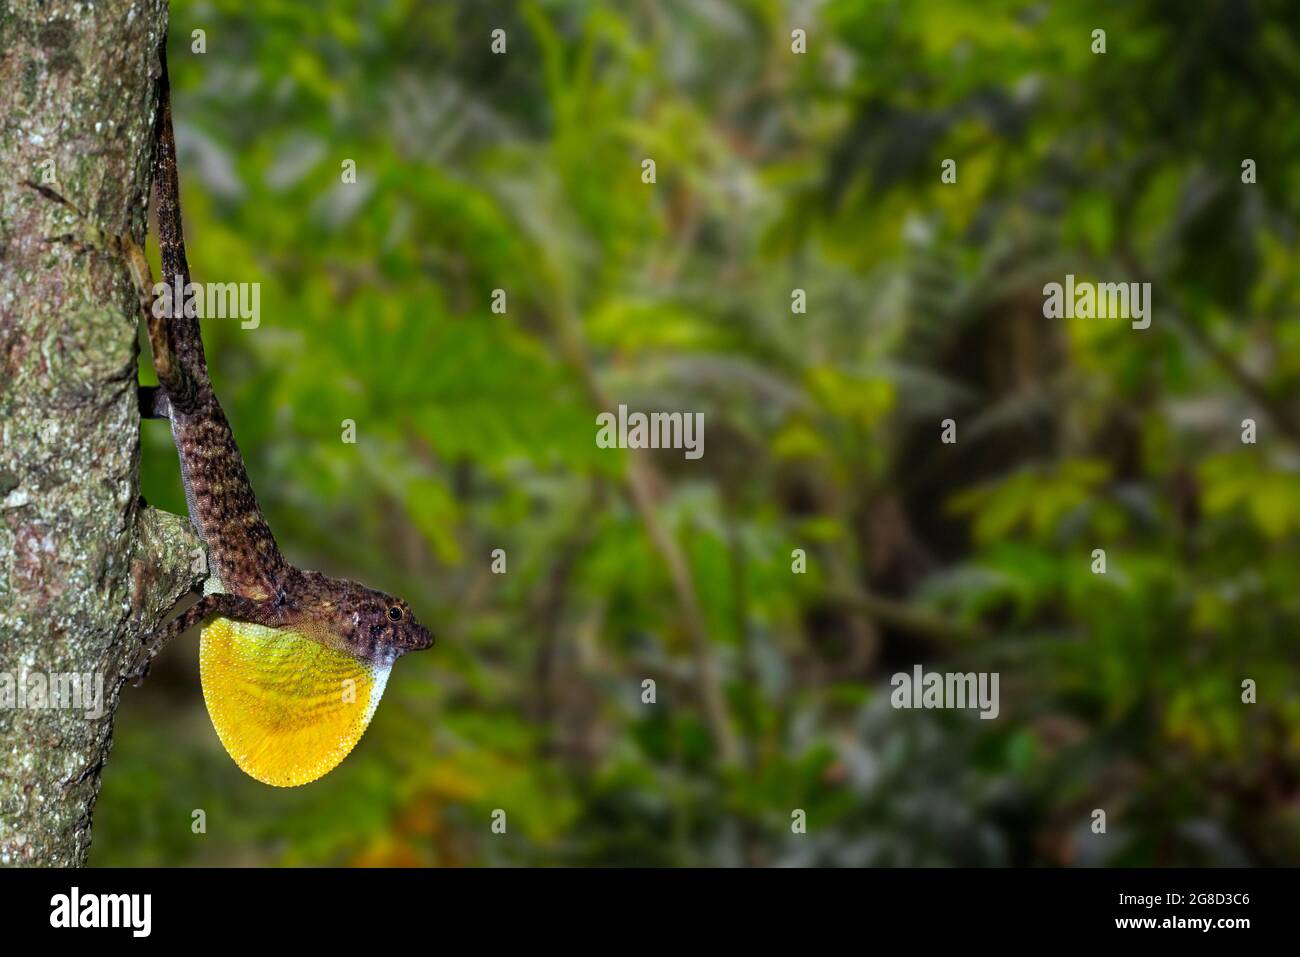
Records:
x=394, y=613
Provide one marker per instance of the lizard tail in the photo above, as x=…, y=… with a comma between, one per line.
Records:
x=174, y=333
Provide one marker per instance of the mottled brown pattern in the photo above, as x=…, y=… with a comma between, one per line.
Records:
x=241, y=549
x=256, y=583
x=176, y=340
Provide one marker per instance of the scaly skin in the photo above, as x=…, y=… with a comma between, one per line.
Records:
x=253, y=581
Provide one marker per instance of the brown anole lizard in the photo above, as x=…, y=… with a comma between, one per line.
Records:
x=293, y=662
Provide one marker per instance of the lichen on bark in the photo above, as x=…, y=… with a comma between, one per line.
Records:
x=86, y=571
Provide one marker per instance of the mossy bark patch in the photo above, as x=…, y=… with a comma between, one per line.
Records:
x=85, y=571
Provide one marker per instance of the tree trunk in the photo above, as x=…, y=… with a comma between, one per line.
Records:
x=86, y=571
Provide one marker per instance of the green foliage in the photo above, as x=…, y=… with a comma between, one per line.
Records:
x=775, y=171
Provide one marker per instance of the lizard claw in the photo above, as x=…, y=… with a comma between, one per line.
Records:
x=91, y=237
x=140, y=670
x=139, y=667
x=53, y=195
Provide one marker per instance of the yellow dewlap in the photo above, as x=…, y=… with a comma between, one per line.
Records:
x=286, y=708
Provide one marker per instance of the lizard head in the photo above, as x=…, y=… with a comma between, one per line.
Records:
x=371, y=624
x=384, y=624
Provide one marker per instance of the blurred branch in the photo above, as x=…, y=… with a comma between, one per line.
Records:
x=905, y=617
x=1252, y=387
x=547, y=612
x=641, y=479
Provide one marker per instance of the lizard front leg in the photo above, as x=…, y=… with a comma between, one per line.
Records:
x=227, y=606
x=176, y=380
x=236, y=607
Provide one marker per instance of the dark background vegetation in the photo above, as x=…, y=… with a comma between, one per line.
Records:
x=775, y=171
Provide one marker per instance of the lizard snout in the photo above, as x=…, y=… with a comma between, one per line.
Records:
x=418, y=638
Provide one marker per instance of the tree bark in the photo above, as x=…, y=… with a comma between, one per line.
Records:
x=86, y=571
